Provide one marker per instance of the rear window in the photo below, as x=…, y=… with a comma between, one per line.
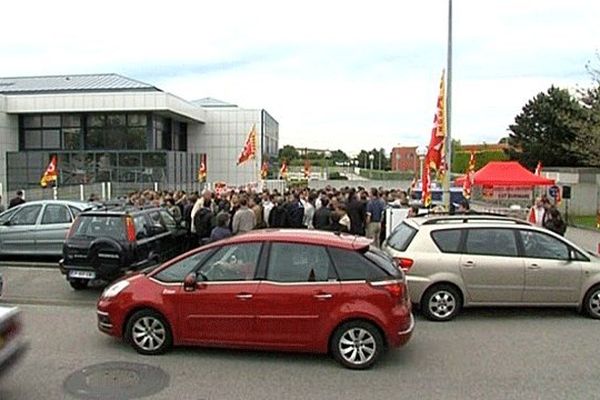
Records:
x=354, y=266
x=385, y=262
x=447, y=240
x=401, y=237
x=101, y=226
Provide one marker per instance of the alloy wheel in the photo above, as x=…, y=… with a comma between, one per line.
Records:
x=594, y=304
x=357, y=346
x=442, y=304
x=149, y=333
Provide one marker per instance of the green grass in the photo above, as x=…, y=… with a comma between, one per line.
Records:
x=586, y=221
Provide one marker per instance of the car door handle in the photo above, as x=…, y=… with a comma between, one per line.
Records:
x=323, y=296
x=244, y=296
x=469, y=264
x=534, y=267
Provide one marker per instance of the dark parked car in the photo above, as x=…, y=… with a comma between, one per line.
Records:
x=290, y=290
x=38, y=227
x=105, y=244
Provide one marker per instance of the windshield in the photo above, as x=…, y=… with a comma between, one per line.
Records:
x=101, y=226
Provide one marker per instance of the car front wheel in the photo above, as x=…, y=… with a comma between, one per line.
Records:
x=591, y=302
x=149, y=333
x=441, y=303
x=357, y=345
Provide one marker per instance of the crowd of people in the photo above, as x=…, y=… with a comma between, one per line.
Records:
x=209, y=216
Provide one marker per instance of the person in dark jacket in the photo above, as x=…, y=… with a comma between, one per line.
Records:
x=15, y=201
x=296, y=211
x=357, y=212
x=322, y=218
x=278, y=217
x=554, y=222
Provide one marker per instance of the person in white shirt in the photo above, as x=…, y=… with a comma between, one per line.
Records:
x=536, y=213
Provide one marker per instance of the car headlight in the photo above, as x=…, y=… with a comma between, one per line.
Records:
x=115, y=289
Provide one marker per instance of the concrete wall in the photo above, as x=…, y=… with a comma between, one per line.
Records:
x=9, y=141
x=585, y=189
x=223, y=137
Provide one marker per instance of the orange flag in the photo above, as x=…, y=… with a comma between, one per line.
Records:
x=538, y=169
x=306, y=168
x=283, y=171
x=202, y=170
x=50, y=175
x=436, y=152
x=470, y=176
x=249, y=150
x=425, y=193
x=264, y=170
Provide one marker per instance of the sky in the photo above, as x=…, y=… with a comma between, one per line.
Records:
x=344, y=75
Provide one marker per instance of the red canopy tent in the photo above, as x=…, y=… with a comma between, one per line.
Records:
x=506, y=173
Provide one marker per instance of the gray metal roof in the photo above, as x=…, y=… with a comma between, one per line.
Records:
x=212, y=102
x=71, y=83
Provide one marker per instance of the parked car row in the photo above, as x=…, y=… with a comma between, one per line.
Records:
x=313, y=291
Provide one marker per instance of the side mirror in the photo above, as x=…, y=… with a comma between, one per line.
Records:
x=189, y=282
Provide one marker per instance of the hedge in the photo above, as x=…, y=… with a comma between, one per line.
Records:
x=460, y=159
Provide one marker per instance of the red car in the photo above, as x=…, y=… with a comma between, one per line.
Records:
x=290, y=290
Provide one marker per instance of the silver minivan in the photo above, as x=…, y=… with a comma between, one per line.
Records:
x=477, y=260
x=38, y=227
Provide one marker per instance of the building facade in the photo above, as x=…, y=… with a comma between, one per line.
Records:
x=405, y=159
x=108, y=127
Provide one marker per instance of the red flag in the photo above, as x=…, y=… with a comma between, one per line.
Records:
x=283, y=171
x=264, y=170
x=425, y=193
x=470, y=177
x=436, y=152
x=202, y=170
x=538, y=169
x=306, y=169
x=249, y=150
x=50, y=174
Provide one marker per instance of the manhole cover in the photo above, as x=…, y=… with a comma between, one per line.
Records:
x=116, y=380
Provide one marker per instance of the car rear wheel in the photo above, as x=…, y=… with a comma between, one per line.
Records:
x=149, y=333
x=441, y=303
x=591, y=302
x=357, y=345
x=78, y=284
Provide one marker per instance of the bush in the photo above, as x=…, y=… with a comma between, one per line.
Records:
x=460, y=159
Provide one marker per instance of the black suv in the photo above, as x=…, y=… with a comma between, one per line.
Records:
x=105, y=244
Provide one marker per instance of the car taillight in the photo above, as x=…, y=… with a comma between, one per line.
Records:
x=397, y=289
x=73, y=228
x=404, y=263
x=130, y=228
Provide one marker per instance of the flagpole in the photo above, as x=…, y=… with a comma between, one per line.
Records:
x=446, y=182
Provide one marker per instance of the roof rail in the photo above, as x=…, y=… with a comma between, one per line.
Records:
x=473, y=217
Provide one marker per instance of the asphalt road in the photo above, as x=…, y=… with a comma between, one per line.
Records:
x=483, y=354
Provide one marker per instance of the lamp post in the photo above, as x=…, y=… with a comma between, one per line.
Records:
x=327, y=157
x=371, y=158
x=421, y=152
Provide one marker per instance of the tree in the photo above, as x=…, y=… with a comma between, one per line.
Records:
x=288, y=153
x=546, y=130
x=587, y=143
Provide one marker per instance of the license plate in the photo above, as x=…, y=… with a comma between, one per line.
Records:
x=82, y=274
